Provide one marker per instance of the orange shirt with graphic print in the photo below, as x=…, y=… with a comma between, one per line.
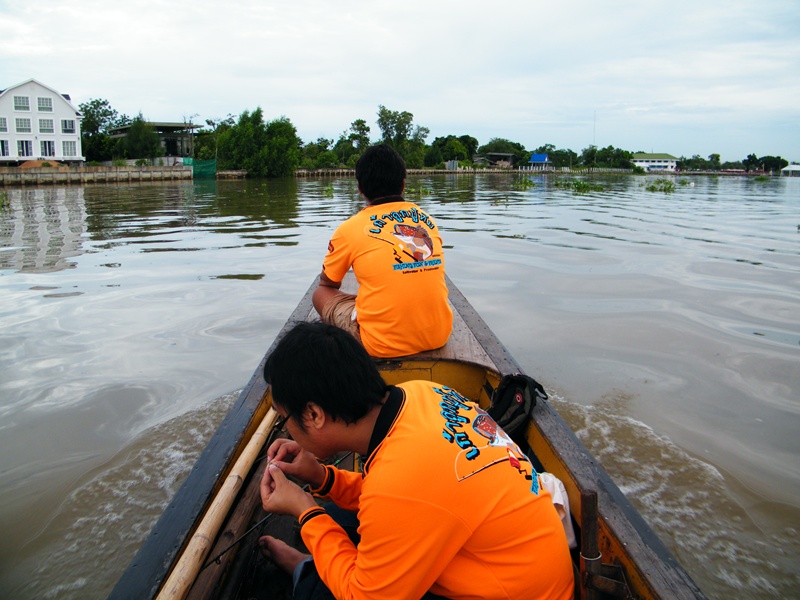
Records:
x=395, y=251
x=447, y=503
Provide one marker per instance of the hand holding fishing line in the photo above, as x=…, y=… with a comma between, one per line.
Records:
x=279, y=495
x=296, y=462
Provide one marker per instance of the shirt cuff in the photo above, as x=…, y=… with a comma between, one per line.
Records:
x=307, y=515
x=327, y=484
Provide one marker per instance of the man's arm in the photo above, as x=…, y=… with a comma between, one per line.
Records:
x=403, y=550
x=325, y=281
x=326, y=290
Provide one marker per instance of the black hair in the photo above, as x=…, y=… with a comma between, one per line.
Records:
x=320, y=363
x=380, y=172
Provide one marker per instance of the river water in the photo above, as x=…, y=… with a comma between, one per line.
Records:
x=666, y=327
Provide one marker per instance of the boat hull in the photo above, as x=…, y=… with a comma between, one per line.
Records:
x=633, y=561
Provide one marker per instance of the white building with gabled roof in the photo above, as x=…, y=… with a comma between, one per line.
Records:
x=38, y=123
x=655, y=163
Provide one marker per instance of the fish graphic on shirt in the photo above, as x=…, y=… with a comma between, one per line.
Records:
x=414, y=241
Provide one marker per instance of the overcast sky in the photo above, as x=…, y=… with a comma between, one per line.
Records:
x=680, y=77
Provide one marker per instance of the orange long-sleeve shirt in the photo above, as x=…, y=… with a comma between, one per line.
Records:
x=395, y=251
x=447, y=503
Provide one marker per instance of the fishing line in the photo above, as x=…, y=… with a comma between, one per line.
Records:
x=218, y=557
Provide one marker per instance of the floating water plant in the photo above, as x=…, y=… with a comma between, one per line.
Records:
x=523, y=184
x=421, y=191
x=328, y=191
x=661, y=185
x=580, y=187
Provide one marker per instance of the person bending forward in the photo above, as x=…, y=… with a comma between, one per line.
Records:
x=447, y=502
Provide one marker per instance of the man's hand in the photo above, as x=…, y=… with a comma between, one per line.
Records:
x=290, y=457
x=281, y=496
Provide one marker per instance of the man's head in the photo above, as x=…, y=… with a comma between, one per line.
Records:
x=380, y=172
x=320, y=363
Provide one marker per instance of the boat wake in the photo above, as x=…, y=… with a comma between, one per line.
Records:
x=88, y=544
x=675, y=492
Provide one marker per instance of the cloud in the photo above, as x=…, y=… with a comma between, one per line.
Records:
x=676, y=77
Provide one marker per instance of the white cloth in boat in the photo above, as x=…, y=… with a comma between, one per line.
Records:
x=559, y=495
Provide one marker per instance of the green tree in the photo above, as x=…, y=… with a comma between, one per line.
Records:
x=714, y=161
x=470, y=145
x=447, y=148
x=415, y=148
x=239, y=146
x=205, y=143
x=396, y=128
x=352, y=143
x=311, y=153
x=732, y=166
x=359, y=135
x=282, y=149
x=751, y=163
x=98, y=119
x=142, y=141
x=558, y=157
x=262, y=149
x=588, y=156
x=504, y=146
x=614, y=158
x=455, y=150
x=433, y=156
x=695, y=163
x=773, y=163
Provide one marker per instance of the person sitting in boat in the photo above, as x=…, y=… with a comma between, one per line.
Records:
x=428, y=523
x=395, y=251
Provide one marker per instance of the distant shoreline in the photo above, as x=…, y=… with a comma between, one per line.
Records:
x=15, y=177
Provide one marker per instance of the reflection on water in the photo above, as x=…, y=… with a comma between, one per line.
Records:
x=665, y=326
x=41, y=229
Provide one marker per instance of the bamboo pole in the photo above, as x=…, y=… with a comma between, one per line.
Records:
x=185, y=572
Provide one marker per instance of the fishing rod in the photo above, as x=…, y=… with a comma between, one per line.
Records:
x=218, y=557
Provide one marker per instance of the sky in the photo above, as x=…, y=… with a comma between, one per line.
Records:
x=679, y=77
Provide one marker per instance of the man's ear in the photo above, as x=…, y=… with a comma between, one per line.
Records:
x=403, y=187
x=314, y=416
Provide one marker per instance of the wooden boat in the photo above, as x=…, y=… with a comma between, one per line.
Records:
x=204, y=545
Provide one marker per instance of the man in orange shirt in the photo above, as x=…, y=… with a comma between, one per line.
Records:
x=447, y=503
x=395, y=251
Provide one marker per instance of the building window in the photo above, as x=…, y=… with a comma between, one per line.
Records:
x=45, y=104
x=70, y=148
x=4, y=148
x=3, y=124
x=22, y=103
x=23, y=126
x=46, y=126
x=48, y=148
x=24, y=148
x=67, y=126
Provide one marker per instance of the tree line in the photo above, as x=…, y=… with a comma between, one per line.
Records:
x=272, y=148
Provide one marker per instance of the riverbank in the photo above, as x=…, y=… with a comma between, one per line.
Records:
x=14, y=176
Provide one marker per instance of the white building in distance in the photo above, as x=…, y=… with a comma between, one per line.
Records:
x=654, y=163
x=38, y=123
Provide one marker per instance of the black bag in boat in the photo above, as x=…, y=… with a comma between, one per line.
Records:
x=513, y=401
